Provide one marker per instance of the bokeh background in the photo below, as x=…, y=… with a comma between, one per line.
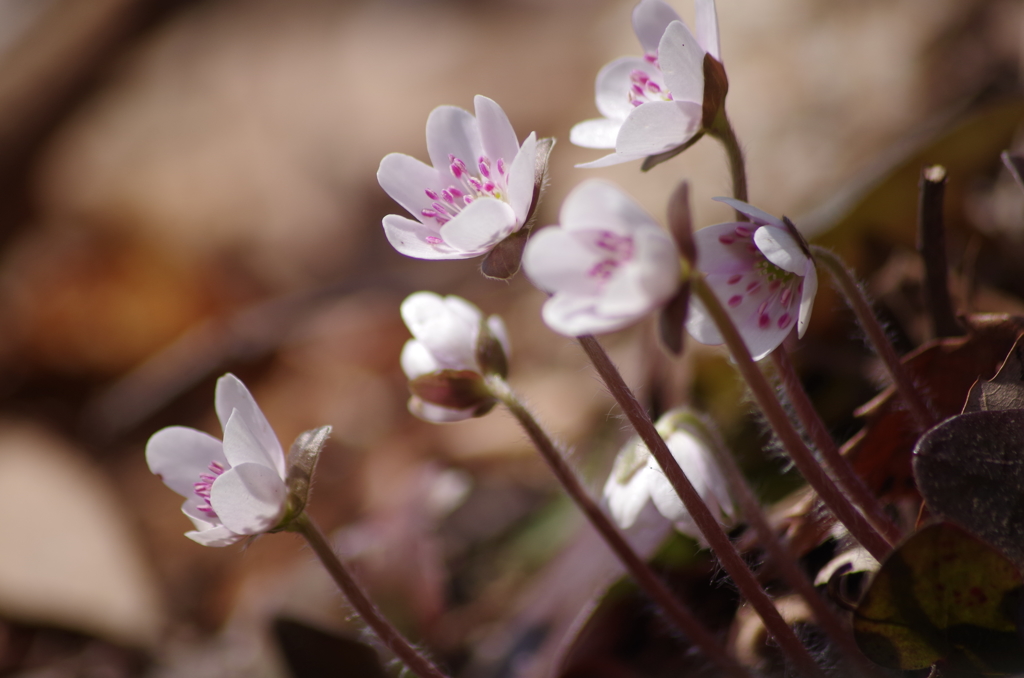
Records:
x=187, y=187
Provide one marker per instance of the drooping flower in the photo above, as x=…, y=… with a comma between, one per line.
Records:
x=762, y=273
x=607, y=264
x=452, y=347
x=233, y=488
x=636, y=478
x=654, y=103
x=478, y=192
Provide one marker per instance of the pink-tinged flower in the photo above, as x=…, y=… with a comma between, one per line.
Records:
x=762, y=273
x=637, y=478
x=451, y=339
x=607, y=265
x=654, y=103
x=233, y=488
x=478, y=192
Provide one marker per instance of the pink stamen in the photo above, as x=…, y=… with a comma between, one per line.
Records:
x=726, y=239
x=653, y=87
x=603, y=269
x=651, y=58
x=456, y=193
x=468, y=199
x=735, y=278
x=441, y=209
x=635, y=102
x=205, y=485
x=485, y=167
x=784, y=321
x=448, y=197
x=773, y=285
x=489, y=187
x=431, y=194
x=501, y=166
x=475, y=183
x=429, y=214
x=433, y=240
x=735, y=300
x=637, y=89
x=742, y=231
x=786, y=296
x=617, y=244
x=457, y=167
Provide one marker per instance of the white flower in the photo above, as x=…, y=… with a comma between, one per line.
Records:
x=652, y=104
x=636, y=477
x=762, y=274
x=608, y=263
x=446, y=336
x=232, y=489
x=478, y=192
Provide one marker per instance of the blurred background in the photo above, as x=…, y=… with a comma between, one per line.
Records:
x=187, y=188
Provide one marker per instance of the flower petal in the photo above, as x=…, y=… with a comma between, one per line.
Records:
x=233, y=397
x=178, y=455
x=612, y=159
x=596, y=133
x=406, y=180
x=596, y=204
x=417, y=360
x=448, y=336
x=721, y=250
x=452, y=131
x=419, y=241
x=810, y=284
x=556, y=259
x=242, y=445
x=707, y=27
x=761, y=336
x=574, y=316
x=480, y=226
x=497, y=327
x=759, y=217
x=650, y=19
x=627, y=500
x=497, y=136
x=216, y=535
x=436, y=414
x=522, y=176
x=249, y=498
x=681, y=58
x=614, y=80
x=782, y=249
x=658, y=126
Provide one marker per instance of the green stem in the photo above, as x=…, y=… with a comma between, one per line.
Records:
x=840, y=466
x=362, y=604
x=779, y=553
x=706, y=522
x=791, y=440
x=858, y=300
x=645, y=577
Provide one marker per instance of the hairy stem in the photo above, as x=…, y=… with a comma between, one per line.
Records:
x=776, y=415
x=716, y=537
x=362, y=604
x=724, y=132
x=841, y=468
x=644, y=576
x=858, y=300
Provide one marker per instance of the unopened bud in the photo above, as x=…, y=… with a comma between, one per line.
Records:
x=301, y=462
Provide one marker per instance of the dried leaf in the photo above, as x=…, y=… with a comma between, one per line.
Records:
x=1005, y=391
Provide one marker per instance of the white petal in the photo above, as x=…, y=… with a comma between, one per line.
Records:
x=720, y=250
x=658, y=257
x=681, y=58
x=243, y=446
x=417, y=240
x=232, y=396
x=557, y=260
x=217, y=535
x=612, y=159
x=448, y=336
x=627, y=500
x=614, y=80
x=178, y=455
x=436, y=414
x=707, y=27
x=452, y=131
x=746, y=314
x=417, y=360
x=658, y=126
x=574, y=316
x=807, y=299
x=406, y=180
x=522, y=176
x=596, y=204
x=249, y=498
x=596, y=133
x=665, y=498
x=701, y=326
x=496, y=134
x=782, y=249
x=758, y=216
x=461, y=308
x=497, y=327
x=650, y=19
x=480, y=226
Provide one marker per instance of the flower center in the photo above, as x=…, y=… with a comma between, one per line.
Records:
x=780, y=289
x=489, y=180
x=644, y=88
x=615, y=248
x=202, y=488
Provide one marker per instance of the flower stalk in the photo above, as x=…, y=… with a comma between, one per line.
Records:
x=644, y=576
x=839, y=465
x=858, y=300
x=791, y=440
x=722, y=130
x=716, y=537
x=388, y=634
